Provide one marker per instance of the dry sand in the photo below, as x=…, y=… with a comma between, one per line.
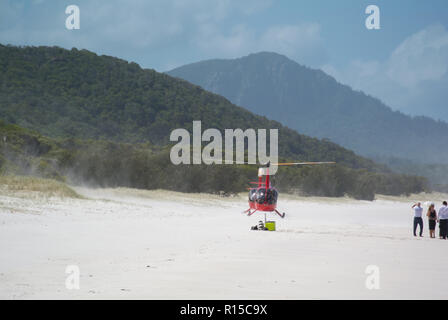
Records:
x=134, y=244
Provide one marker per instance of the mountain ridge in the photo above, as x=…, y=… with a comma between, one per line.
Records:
x=314, y=103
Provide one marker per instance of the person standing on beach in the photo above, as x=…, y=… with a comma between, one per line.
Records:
x=418, y=220
x=432, y=220
x=443, y=220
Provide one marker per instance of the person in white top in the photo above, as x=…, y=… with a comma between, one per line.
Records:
x=418, y=220
x=443, y=220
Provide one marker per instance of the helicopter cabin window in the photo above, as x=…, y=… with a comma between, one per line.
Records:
x=260, y=195
x=271, y=196
x=252, y=195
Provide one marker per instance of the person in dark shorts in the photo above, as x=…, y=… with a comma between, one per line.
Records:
x=432, y=220
x=418, y=220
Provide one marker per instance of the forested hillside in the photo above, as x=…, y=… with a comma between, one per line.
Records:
x=78, y=94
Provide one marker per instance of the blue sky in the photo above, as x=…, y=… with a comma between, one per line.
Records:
x=405, y=63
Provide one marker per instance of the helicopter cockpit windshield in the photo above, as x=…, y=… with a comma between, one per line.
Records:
x=262, y=195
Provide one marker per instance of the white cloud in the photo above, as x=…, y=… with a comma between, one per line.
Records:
x=301, y=42
x=203, y=28
x=423, y=56
x=139, y=23
x=411, y=79
x=236, y=41
x=292, y=39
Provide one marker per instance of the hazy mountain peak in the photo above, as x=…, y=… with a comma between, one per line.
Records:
x=268, y=55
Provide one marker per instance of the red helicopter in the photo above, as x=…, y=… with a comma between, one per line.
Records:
x=264, y=196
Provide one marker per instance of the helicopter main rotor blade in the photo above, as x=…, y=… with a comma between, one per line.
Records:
x=221, y=161
x=273, y=164
x=300, y=163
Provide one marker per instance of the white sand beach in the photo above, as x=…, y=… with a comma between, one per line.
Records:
x=135, y=244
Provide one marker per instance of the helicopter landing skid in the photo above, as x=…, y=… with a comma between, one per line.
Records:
x=250, y=212
x=280, y=214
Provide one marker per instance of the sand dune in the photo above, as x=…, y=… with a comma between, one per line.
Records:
x=136, y=244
